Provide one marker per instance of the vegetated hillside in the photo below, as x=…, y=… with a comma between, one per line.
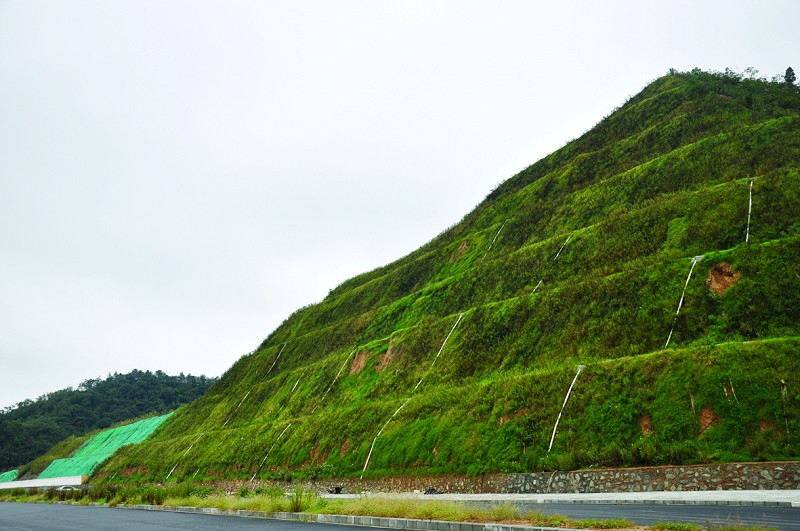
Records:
x=630, y=251
x=31, y=428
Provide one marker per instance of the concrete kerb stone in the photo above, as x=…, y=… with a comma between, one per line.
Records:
x=625, y=501
x=364, y=521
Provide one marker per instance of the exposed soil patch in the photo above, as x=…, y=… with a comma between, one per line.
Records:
x=318, y=458
x=387, y=358
x=766, y=425
x=127, y=472
x=459, y=253
x=647, y=425
x=721, y=277
x=707, y=419
x=729, y=391
x=343, y=449
x=359, y=361
x=506, y=418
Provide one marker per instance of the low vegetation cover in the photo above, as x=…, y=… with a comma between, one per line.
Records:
x=31, y=428
x=651, y=266
x=274, y=500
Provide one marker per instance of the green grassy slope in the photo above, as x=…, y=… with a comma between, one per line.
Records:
x=581, y=259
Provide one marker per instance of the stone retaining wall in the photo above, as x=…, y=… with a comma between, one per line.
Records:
x=734, y=476
x=728, y=476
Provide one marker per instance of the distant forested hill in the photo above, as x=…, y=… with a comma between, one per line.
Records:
x=30, y=428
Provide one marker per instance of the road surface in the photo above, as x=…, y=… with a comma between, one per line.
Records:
x=783, y=518
x=46, y=517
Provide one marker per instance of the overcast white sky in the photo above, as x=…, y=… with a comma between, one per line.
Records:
x=177, y=177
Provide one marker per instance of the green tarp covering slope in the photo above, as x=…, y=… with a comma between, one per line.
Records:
x=11, y=475
x=101, y=447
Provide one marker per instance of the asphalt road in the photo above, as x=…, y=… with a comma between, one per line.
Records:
x=783, y=518
x=45, y=517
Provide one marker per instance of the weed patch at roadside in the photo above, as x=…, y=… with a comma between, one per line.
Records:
x=274, y=500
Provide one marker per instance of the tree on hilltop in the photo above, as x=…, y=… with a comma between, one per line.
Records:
x=789, y=76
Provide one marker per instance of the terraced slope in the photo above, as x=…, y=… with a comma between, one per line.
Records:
x=651, y=266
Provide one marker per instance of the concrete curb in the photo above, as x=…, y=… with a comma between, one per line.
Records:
x=759, y=499
x=262, y=514
x=733, y=503
x=364, y=521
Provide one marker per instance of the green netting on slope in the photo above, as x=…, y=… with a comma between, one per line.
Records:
x=100, y=447
x=11, y=475
x=73, y=466
x=108, y=441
